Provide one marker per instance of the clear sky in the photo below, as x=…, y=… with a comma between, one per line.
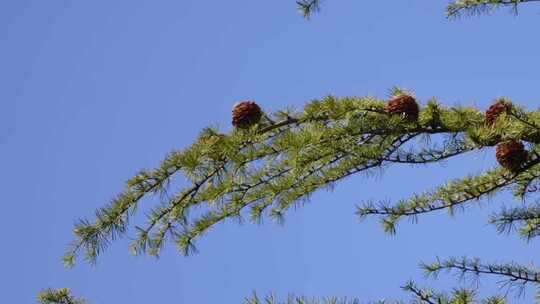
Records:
x=93, y=91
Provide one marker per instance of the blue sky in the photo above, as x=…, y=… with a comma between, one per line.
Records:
x=93, y=91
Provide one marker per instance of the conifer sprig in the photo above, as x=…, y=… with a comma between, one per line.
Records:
x=308, y=7
x=264, y=171
x=58, y=296
x=456, y=296
x=455, y=9
x=418, y=296
x=455, y=194
x=512, y=277
x=270, y=168
x=271, y=299
x=279, y=163
x=524, y=219
x=479, y=7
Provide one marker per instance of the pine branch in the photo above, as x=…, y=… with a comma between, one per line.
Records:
x=530, y=130
x=271, y=299
x=283, y=160
x=457, y=296
x=453, y=146
x=111, y=221
x=529, y=180
x=515, y=123
x=479, y=7
x=455, y=194
x=266, y=170
x=455, y=9
x=424, y=296
x=58, y=296
x=293, y=191
x=419, y=296
x=308, y=7
x=511, y=274
x=525, y=219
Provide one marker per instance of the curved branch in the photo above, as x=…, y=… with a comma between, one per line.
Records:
x=512, y=274
x=273, y=166
x=455, y=194
x=478, y=7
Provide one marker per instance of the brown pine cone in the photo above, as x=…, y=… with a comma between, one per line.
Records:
x=495, y=111
x=404, y=105
x=511, y=155
x=245, y=114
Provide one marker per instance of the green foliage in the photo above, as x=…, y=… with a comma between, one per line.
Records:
x=512, y=277
x=455, y=194
x=308, y=7
x=265, y=171
x=479, y=7
x=525, y=219
x=455, y=9
x=457, y=296
x=275, y=166
x=271, y=299
x=418, y=296
x=59, y=296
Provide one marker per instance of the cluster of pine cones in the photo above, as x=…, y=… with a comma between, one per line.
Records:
x=510, y=153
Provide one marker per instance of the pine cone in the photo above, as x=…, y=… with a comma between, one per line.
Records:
x=404, y=105
x=511, y=155
x=245, y=114
x=495, y=111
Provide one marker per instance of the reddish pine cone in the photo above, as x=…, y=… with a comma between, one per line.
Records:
x=404, y=105
x=495, y=111
x=245, y=114
x=511, y=155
